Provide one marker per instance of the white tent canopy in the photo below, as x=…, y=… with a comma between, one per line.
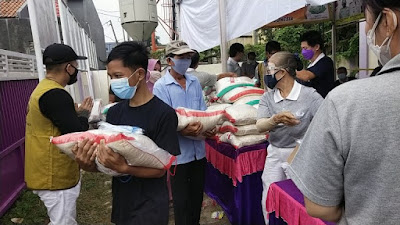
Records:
x=200, y=19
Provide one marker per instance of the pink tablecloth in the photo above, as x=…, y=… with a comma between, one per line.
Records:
x=236, y=163
x=286, y=200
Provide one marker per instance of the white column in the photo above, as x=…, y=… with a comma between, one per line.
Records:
x=222, y=28
x=89, y=73
x=363, y=52
x=36, y=39
x=56, y=22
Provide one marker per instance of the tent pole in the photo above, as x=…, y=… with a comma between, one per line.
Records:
x=334, y=35
x=222, y=28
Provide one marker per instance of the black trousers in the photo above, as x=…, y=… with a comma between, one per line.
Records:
x=187, y=192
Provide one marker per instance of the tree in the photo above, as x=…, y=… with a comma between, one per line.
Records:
x=259, y=49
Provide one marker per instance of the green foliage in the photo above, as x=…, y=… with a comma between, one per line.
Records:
x=159, y=54
x=259, y=49
x=213, y=52
x=29, y=207
x=347, y=42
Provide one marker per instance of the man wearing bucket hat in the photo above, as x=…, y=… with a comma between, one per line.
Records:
x=180, y=89
x=52, y=175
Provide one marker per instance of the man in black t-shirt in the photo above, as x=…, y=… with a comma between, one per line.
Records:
x=141, y=198
x=321, y=72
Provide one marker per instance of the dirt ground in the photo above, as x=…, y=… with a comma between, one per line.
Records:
x=209, y=206
x=93, y=206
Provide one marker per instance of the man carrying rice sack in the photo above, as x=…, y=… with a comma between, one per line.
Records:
x=179, y=89
x=52, y=175
x=142, y=197
x=286, y=112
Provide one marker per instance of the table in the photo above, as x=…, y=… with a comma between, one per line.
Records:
x=285, y=202
x=233, y=179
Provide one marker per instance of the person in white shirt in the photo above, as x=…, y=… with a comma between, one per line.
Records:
x=236, y=52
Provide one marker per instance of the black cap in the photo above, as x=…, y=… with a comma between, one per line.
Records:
x=59, y=53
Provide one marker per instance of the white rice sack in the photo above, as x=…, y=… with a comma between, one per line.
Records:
x=125, y=129
x=209, y=119
x=242, y=141
x=240, y=92
x=105, y=109
x=241, y=114
x=249, y=100
x=95, y=114
x=227, y=84
x=217, y=107
x=137, y=149
x=238, y=130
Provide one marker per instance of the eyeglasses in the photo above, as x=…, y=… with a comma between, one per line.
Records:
x=273, y=70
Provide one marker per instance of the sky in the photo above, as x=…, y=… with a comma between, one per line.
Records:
x=109, y=10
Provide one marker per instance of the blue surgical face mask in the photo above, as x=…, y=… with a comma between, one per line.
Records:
x=121, y=87
x=181, y=65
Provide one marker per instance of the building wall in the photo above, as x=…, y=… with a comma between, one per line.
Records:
x=16, y=35
x=86, y=14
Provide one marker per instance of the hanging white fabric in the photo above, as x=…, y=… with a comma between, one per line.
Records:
x=199, y=19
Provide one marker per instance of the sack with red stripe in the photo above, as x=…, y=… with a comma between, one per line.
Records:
x=137, y=149
x=209, y=119
x=240, y=92
x=238, y=130
x=242, y=141
x=241, y=114
x=227, y=84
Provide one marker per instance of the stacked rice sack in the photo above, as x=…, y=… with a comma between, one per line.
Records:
x=239, y=128
x=232, y=110
x=209, y=118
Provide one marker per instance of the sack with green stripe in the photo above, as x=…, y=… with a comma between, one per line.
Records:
x=227, y=84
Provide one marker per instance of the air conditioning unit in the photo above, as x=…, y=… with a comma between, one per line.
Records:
x=139, y=18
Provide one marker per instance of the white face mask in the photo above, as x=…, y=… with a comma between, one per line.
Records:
x=382, y=52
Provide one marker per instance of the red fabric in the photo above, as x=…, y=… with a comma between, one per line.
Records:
x=229, y=117
x=288, y=208
x=246, y=163
x=228, y=128
x=183, y=112
x=80, y=136
x=246, y=92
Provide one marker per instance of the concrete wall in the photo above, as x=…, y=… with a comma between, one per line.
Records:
x=244, y=40
x=16, y=35
x=87, y=16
